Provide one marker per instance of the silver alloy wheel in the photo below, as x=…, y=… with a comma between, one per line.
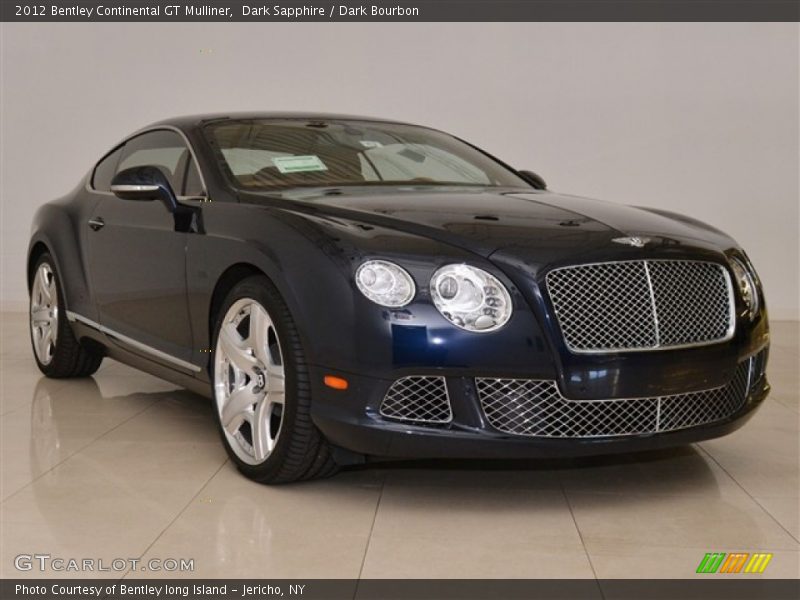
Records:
x=44, y=313
x=249, y=381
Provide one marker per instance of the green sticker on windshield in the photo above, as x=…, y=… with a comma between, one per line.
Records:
x=299, y=164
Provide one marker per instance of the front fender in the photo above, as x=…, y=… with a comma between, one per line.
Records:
x=311, y=259
x=60, y=226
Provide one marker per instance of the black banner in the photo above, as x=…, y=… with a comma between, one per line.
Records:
x=399, y=10
x=714, y=588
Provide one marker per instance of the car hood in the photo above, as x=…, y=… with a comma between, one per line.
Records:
x=515, y=224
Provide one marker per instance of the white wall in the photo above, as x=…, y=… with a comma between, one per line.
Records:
x=696, y=118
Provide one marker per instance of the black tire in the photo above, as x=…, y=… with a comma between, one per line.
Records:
x=69, y=358
x=301, y=452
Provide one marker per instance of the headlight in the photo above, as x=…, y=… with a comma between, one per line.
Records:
x=385, y=283
x=746, y=282
x=470, y=298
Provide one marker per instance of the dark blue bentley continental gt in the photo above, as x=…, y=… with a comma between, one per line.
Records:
x=347, y=287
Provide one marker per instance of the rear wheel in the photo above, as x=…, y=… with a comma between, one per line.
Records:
x=56, y=350
x=261, y=389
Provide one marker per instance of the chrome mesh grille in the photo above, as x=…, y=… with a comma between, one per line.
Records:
x=537, y=408
x=418, y=399
x=642, y=304
x=693, y=301
x=688, y=410
x=604, y=306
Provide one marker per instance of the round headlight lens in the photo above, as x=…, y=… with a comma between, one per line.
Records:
x=385, y=283
x=470, y=298
x=745, y=281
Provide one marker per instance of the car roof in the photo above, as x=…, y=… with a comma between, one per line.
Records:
x=192, y=121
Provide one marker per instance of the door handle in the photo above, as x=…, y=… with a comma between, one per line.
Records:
x=96, y=223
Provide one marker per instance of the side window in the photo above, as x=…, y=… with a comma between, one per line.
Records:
x=192, y=185
x=163, y=149
x=105, y=170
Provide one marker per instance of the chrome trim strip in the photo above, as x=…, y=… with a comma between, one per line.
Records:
x=652, y=303
x=133, y=188
x=621, y=399
x=731, y=302
x=71, y=316
x=658, y=413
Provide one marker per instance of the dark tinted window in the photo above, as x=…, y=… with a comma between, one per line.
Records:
x=105, y=170
x=163, y=149
x=193, y=186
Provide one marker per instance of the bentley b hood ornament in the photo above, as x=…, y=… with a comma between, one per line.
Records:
x=636, y=241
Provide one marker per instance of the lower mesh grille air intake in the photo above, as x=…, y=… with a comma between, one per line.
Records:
x=537, y=408
x=418, y=399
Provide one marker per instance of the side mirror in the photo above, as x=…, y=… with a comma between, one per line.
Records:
x=144, y=183
x=534, y=179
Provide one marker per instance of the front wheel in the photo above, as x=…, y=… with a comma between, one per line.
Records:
x=56, y=350
x=261, y=389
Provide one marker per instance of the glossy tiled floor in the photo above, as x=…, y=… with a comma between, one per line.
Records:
x=124, y=465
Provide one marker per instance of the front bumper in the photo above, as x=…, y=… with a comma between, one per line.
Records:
x=353, y=420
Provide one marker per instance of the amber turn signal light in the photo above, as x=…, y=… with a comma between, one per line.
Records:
x=336, y=383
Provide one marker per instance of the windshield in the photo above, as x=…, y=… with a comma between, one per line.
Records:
x=277, y=153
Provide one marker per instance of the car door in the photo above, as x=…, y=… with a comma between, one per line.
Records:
x=138, y=260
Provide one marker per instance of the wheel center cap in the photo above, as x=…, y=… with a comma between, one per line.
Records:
x=261, y=380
